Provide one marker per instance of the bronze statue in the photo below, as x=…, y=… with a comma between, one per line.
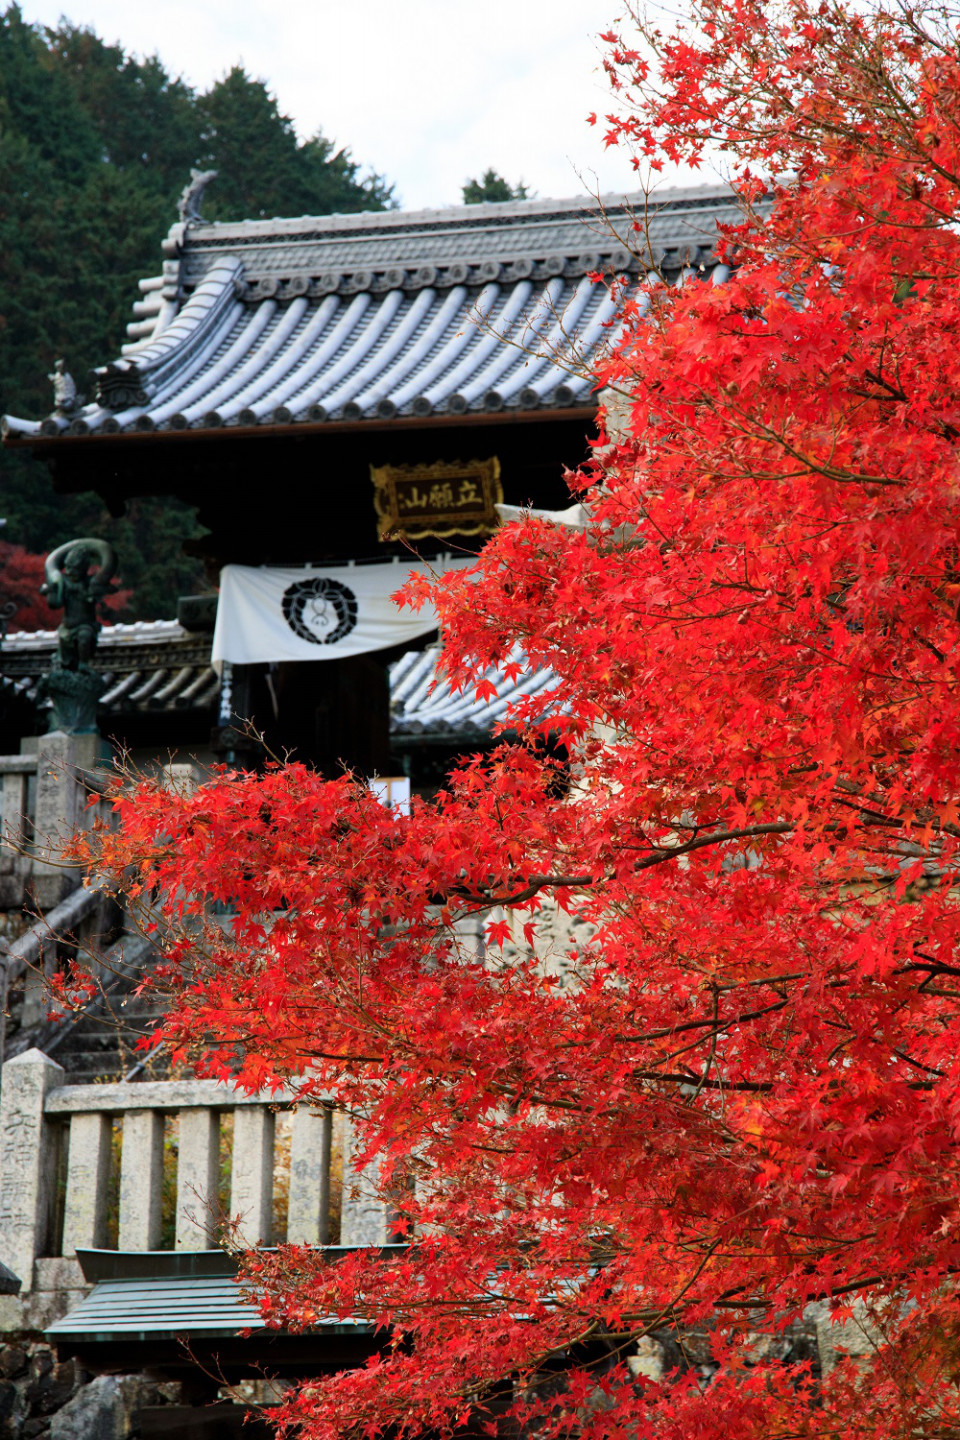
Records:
x=79, y=575
x=71, y=586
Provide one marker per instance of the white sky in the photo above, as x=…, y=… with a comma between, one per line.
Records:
x=427, y=91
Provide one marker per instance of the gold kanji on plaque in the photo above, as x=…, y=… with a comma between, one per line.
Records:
x=446, y=498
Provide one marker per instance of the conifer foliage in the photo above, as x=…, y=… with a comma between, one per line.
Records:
x=95, y=148
x=736, y=1094
x=492, y=187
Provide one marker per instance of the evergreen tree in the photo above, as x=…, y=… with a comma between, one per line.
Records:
x=264, y=170
x=492, y=187
x=95, y=147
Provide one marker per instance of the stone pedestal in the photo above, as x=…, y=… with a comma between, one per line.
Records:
x=75, y=694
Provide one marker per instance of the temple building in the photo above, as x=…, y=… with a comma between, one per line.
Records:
x=351, y=389
x=341, y=399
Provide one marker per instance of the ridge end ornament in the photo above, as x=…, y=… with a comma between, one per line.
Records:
x=447, y=497
x=67, y=400
x=191, y=196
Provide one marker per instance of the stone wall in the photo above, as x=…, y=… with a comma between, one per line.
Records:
x=39, y=1397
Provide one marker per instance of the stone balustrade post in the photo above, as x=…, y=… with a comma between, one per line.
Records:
x=27, y=1161
x=181, y=778
x=36, y=979
x=251, y=1188
x=61, y=797
x=15, y=832
x=364, y=1218
x=308, y=1212
x=141, y=1176
x=198, y=1173
x=88, y=1173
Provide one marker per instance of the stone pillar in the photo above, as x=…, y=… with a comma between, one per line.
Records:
x=141, y=1176
x=856, y=1338
x=61, y=798
x=364, y=1218
x=251, y=1189
x=308, y=1215
x=27, y=1161
x=15, y=830
x=88, y=1174
x=198, y=1173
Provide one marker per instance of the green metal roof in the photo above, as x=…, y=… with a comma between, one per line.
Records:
x=161, y=1295
x=154, y=1309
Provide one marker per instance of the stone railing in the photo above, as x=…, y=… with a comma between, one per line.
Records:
x=58, y=1146
x=45, y=797
x=81, y=922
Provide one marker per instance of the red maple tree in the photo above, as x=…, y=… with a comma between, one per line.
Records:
x=730, y=1091
x=21, y=576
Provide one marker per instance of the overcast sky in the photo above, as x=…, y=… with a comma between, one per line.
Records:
x=428, y=92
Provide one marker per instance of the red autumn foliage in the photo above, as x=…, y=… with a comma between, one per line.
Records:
x=21, y=575
x=734, y=1091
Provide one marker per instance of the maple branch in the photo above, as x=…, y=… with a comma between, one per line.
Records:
x=536, y=883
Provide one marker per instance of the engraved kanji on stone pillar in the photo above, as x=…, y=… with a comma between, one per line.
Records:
x=88, y=1172
x=27, y=1161
x=365, y=1218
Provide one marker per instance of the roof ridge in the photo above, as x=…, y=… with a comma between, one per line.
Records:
x=459, y=216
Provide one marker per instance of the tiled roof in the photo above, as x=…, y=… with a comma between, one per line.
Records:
x=156, y=665
x=423, y=704
x=149, y=665
x=473, y=310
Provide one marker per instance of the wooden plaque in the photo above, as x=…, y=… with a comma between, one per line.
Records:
x=447, y=498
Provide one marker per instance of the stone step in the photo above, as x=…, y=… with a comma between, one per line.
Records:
x=86, y=1066
x=92, y=1067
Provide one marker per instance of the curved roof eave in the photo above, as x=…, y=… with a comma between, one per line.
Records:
x=471, y=314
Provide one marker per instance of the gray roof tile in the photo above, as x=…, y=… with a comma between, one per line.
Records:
x=159, y=666
x=151, y=665
x=474, y=309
